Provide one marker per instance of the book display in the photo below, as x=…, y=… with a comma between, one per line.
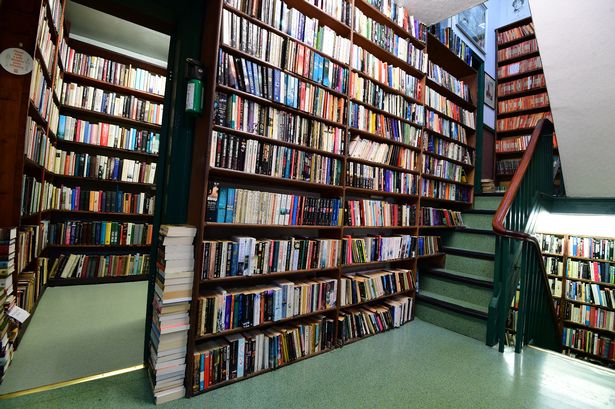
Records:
x=581, y=270
x=521, y=96
x=87, y=164
x=333, y=134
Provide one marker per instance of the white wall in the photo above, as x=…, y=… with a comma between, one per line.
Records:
x=581, y=224
x=578, y=55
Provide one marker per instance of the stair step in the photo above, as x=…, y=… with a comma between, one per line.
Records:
x=468, y=278
x=484, y=255
x=490, y=202
x=470, y=265
x=469, y=239
x=499, y=194
x=459, y=292
x=478, y=220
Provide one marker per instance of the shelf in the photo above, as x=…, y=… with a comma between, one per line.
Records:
x=311, y=10
x=515, y=41
x=552, y=254
x=584, y=280
x=36, y=115
x=201, y=338
x=598, y=260
x=384, y=55
x=104, y=149
x=53, y=30
x=60, y=282
x=519, y=75
x=518, y=58
x=450, y=95
x=455, y=161
x=267, y=226
x=518, y=131
x=382, y=165
x=377, y=263
x=381, y=298
x=97, y=246
x=38, y=54
x=386, y=87
x=511, y=153
x=554, y=276
x=588, y=354
x=85, y=80
x=523, y=93
x=379, y=227
x=431, y=255
x=385, y=113
x=448, y=138
x=376, y=193
x=441, y=179
x=108, y=181
x=277, y=105
x=382, y=139
x=450, y=201
x=443, y=56
x=603, y=307
x=589, y=327
x=275, y=181
x=234, y=279
x=94, y=213
x=110, y=118
x=450, y=118
x=264, y=139
x=523, y=112
x=438, y=227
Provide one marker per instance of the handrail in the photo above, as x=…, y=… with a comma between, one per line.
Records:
x=518, y=255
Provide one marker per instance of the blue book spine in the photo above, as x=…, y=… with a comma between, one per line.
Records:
x=294, y=215
x=221, y=215
x=252, y=89
x=276, y=86
x=201, y=373
x=227, y=312
x=230, y=205
x=234, y=259
x=61, y=127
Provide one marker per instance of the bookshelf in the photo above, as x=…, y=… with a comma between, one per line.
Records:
x=581, y=270
x=351, y=204
x=84, y=171
x=521, y=96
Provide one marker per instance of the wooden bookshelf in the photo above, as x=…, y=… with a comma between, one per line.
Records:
x=507, y=157
x=203, y=173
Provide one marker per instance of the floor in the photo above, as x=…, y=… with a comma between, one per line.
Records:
x=79, y=331
x=416, y=366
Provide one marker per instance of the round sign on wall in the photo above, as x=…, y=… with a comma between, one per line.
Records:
x=16, y=61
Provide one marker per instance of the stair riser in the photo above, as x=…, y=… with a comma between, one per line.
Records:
x=477, y=221
x=458, y=290
x=483, y=268
x=470, y=241
x=487, y=202
x=454, y=321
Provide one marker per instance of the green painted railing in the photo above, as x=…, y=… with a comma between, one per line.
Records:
x=518, y=260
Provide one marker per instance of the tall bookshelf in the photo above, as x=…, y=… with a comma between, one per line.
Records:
x=581, y=270
x=361, y=96
x=521, y=96
x=68, y=172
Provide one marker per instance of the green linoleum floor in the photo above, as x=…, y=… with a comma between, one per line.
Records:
x=78, y=331
x=417, y=366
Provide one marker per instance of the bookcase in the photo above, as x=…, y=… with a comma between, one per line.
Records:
x=83, y=188
x=521, y=96
x=581, y=270
x=327, y=159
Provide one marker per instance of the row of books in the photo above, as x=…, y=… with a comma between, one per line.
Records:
x=87, y=266
x=234, y=205
x=107, y=135
x=449, y=149
x=440, y=76
x=589, y=247
x=277, y=14
x=445, y=191
x=357, y=288
x=248, y=256
x=340, y=9
x=446, y=127
x=590, y=293
x=40, y=93
x=523, y=84
x=255, y=157
x=31, y=190
x=8, y=241
x=523, y=103
x=398, y=13
x=432, y=216
x=556, y=287
x=515, y=33
x=443, y=169
x=531, y=64
x=379, y=179
x=31, y=240
x=235, y=112
x=388, y=74
x=366, y=120
x=589, y=316
x=554, y=265
x=443, y=105
x=386, y=38
x=392, y=155
x=518, y=50
x=356, y=250
x=591, y=270
x=113, y=72
x=550, y=243
x=100, y=233
x=378, y=213
x=452, y=41
x=507, y=166
x=247, y=353
x=515, y=144
x=225, y=309
x=111, y=103
x=589, y=342
x=279, y=87
x=45, y=43
x=522, y=122
x=372, y=94
x=55, y=8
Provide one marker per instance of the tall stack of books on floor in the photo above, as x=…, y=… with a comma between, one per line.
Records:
x=171, y=306
x=7, y=268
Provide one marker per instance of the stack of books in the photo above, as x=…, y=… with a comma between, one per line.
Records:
x=170, y=317
x=7, y=267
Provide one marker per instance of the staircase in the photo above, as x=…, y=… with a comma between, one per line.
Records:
x=456, y=295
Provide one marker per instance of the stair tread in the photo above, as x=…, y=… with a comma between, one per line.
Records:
x=489, y=194
x=478, y=211
x=482, y=309
x=461, y=274
x=470, y=253
x=473, y=230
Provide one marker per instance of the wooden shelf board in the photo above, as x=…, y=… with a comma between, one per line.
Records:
x=524, y=111
x=518, y=40
x=446, y=158
x=60, y=282
x=441, y=179
x=382, y=139
x=232, y=279
x=523, y=93
x=382, y=165
x=377, y=193
x=518, y=58
x=576, y=324
x=450, y=95
x=267, y=226
x=385, y=113
x=377, y=299
x=448, y=138
x=387, y=87
x=109, y=118
x=107, y=149
x=519, y=75
x=82, y=79
x=468, y=128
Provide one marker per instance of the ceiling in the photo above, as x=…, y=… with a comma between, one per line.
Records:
x=105, y=28
x=434, y=11
x=577, y=52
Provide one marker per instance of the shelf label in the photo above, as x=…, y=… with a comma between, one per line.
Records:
x=16, y=61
